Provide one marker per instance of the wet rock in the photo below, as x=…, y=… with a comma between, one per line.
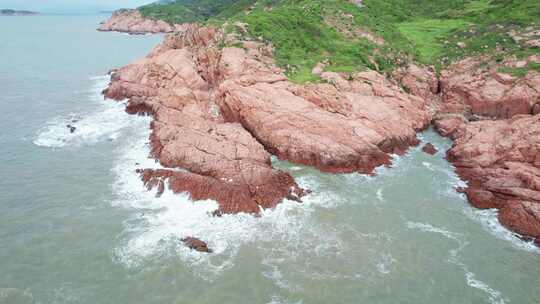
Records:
x=500, y=160
x=196, y=244
x=429, y=148
x=71, y=128
x=522, y=217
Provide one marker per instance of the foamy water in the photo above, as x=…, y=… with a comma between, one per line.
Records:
x=157, y=224
x=105, y=123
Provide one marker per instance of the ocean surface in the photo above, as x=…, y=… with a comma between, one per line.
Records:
x=77, y=225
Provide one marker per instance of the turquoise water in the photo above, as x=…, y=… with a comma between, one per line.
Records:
x=76, y=225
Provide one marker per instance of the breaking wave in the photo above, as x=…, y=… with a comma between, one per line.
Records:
x=103, y=124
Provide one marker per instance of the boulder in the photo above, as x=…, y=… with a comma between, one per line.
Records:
x=196, y=244
x=430, y=149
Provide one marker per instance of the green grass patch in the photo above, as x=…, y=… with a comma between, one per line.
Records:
x=429, y=35
x=520, y=72
x=301, y=39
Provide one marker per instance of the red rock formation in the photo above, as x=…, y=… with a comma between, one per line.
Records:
x=131, y=21
x=471, y=87
x=217, y=111
x=500, y=160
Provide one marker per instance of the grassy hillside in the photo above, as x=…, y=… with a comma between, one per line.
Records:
x=183, y=11
x=378, y=34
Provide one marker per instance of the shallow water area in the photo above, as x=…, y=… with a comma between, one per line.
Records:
x=78, y=226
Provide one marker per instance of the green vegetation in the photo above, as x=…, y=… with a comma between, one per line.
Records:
x=342, y=34
x=302, y=38
x=183, y=11
x=426, y=34
x=520, y=72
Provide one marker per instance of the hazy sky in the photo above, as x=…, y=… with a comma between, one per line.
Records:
x=71, y=5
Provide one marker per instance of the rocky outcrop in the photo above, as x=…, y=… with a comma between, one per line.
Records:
x=131, y=21
x=491, y=114
x=472, y=87
x=196, y=244
x=220, y=111
x=500, y=160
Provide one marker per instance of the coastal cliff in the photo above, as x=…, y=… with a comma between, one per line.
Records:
x=316, y=85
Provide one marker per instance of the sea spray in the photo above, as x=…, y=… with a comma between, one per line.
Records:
x=104, y=123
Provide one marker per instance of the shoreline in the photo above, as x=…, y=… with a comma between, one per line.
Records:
x=221, y=87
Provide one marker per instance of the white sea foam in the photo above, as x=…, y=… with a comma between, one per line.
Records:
x=495, y=296
x=276, y=299
x=428, y=165
x=103, y=124
x=490, y=222
x=380, y=196
x=160, y=222
x=429, y=228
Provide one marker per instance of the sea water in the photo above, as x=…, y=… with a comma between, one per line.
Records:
x=77, y=225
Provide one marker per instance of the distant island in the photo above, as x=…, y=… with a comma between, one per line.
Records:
x=11, y=12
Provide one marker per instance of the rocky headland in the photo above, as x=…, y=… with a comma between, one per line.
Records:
x=222, y=105
x=132, y=22
x=220, y=112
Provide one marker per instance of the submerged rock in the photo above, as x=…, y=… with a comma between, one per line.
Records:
x=71, y=128
x=220, y=111
x=196, y=244
x=429, y=148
